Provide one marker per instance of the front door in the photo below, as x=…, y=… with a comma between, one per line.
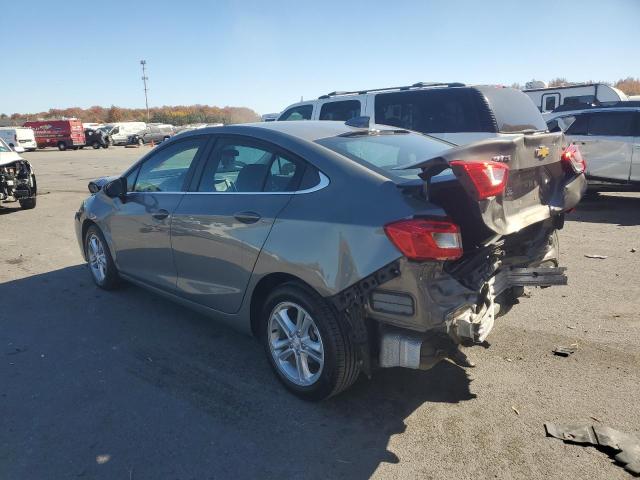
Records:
x=218, y=231
x=140, y=226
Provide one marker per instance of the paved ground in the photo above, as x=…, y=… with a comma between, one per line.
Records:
x=127, y=385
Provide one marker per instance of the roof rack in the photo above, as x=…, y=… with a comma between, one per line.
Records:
x=587, y=106
x=407, y=87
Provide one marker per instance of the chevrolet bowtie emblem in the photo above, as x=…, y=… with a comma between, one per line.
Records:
x=542, y=152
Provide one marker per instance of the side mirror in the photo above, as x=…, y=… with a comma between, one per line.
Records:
x=116, y=188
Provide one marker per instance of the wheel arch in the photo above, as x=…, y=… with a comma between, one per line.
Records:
x=261, y=291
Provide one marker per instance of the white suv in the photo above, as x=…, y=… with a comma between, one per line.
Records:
x=609, y=139
x=451, y=111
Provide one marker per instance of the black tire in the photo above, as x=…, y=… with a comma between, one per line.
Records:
x=62, y=146
x=140, y=142
x=341, y=367
x=106, y=145
x=95, y=145
x=111, y=278
x=27, y=203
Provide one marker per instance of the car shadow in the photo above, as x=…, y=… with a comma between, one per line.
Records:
x=170, y=392
x=5, y=209
x=617, y=209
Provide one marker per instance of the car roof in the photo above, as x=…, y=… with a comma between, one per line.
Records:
x=309, y=130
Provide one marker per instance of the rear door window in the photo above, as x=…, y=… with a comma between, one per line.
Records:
x=341, y=111
x=434, y=111
x=611, y=124
x=246, y=166
x=578, y=125
x=301, y=112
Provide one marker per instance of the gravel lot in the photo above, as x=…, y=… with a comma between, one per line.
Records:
x=127, y=385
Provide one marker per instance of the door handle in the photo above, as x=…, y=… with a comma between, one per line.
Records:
x=160, y=214
x=247, y=217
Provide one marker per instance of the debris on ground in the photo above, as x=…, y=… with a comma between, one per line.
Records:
x=564, y=351
x=624, y=448
x=601, y=257
x=633, y=250
x=515, y=410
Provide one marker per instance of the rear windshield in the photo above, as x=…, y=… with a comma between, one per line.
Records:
x=387, y=151
x=513, y=110
x=447, y=110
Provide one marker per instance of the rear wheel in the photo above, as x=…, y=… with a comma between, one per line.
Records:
x=96, y=145
x=62, y=146
x=307, y=345
x=140, y=142
x=103, y=269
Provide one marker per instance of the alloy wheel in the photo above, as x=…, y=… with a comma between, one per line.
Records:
x=295, y=344
x=97, y=258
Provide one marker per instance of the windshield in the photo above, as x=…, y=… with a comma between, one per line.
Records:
x=387, y=151
x=3, y=147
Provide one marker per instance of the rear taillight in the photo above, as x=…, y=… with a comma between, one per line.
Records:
x=419, y=239
x=487, y=178
x=572, y=160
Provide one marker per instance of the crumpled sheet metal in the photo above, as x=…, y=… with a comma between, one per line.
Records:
x=624, y=447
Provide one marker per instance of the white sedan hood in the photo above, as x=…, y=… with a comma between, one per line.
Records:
x=9, y=157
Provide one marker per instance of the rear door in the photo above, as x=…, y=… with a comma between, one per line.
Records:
x=219, y=228
x=140, y=226
x=606, y=141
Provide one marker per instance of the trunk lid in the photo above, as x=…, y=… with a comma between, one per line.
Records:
x=537, y=186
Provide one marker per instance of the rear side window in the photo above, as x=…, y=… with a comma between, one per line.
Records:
x=341, y=111
x=434, y=111
x=513, y=110
x=301, y=112
x=580, y=100
x=611, y=123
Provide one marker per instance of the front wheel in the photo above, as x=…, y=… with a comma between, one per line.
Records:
x=141, y=142
x=307, y=345
x=27, y=203
x=62, y=146
x=96, y=145
x=103, y=269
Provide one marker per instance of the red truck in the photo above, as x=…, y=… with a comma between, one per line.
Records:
x=58, y=133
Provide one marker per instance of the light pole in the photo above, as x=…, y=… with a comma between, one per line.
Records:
x=144, y=81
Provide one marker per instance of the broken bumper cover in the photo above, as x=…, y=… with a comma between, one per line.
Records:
x=468, y=324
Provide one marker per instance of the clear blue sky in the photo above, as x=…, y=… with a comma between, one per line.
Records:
x=267, y=54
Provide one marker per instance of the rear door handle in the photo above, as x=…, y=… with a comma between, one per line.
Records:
x=160, y=214
x=247, y=217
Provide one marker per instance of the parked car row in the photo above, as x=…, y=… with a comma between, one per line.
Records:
x=596, y=117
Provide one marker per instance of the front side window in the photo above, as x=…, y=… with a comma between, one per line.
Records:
x=166, y=170
x=245, y=167
x=301, y=112
x=340, y=111
x=611, y=124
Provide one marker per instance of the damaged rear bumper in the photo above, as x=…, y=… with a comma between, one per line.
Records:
x=426, y=311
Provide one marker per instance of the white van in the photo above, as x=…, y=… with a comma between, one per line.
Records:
x=549, y=98
x=454, y=112
x=121, y=131
x=19, y=138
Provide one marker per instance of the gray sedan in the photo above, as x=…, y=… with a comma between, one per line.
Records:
x=342, y=247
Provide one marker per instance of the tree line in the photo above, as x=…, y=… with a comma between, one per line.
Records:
x=176, y=115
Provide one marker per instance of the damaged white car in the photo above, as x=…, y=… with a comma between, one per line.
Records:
x=17, y=179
